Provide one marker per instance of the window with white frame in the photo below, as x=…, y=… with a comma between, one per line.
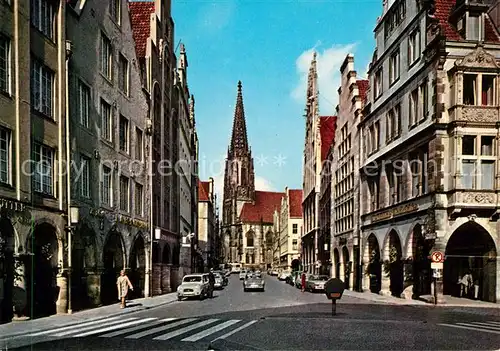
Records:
x=424, y=100
x=139, y=199
x=115, y=10
x=43, y=172
x=124, y=134
x=478, y=162
x=413, y=46
x=389, y=125
x=106, y=120
x=124, y=193
x=391, y=183
x=295, y=228
x=106, y=56
x=378, y=83
x=42, y=80
x=394, y=67
x=83, y=103
x=106, y=186
x=413, y=112
x=139, y=144
x=5, y=156
x=295, y=244
x=84, y=177
x=43, y=14
x=473, y=26
x=4, y=64
x=479, y=89
x=123, y=74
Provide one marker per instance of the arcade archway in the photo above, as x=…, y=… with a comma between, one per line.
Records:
x=113, y=261
x=347, y=268
x=374, y=267
x=336, y=262
x=7, y=268
x=295, y=264
x=471, y=249
x=137, y=266
x=394, y=266
x=42, y=271
x=83, y=260
x=421, y=263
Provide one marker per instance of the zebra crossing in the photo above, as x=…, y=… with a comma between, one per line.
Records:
x=183, y=329
x=492, y=327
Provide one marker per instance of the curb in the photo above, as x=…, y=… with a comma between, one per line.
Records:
x=114, y=314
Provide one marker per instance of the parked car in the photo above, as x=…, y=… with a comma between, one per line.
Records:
x=219, y=281
x=283, y=275
x=316, y=282
x=290, y=279
x=225, y=280
x=243, y=274
x=193, y=285
x=253, y=281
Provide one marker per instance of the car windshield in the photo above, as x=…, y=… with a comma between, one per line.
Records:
x=192, y=279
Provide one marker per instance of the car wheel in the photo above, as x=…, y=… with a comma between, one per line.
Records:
x=179, y=298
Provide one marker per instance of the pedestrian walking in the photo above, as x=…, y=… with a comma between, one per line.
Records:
x=211, y=282
x=123, y=284
x=303, y=281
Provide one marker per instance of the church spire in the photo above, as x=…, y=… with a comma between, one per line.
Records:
x=239, y=140
x=312, y=107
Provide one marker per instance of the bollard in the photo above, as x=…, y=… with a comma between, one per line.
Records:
x=334, y=307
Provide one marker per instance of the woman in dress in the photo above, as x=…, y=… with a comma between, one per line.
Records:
x=123, y=284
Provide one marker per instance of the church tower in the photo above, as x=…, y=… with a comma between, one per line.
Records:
x=239, y=178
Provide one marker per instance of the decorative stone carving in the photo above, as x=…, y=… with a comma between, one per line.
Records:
x=478, y=198
x=480, y=114
x=478, y=58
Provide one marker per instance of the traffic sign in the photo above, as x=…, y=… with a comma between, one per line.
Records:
x=436, y=265
x=437, y=256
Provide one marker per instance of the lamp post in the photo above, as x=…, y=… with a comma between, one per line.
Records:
x=74, y=214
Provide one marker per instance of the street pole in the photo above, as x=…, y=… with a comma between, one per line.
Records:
x=68, y=175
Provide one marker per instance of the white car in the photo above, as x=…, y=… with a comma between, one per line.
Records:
x=283, y=275
x=193, y=285
x=243, y=274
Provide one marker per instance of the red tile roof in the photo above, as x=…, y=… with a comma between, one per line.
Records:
x=362, y=88
x=295, y=202
x=203, y=191
x=140, y=12
x=442, y=14
x=327, y=126
x=263, y=207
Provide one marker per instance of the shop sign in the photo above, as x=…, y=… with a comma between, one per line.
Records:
x=12, y=205
x=131, y=221
x=398, y=211
x=16, y=210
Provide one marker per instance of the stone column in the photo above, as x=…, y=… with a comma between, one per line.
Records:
x=62, y=299
x=386, y=283
x=20, y=295
x=165, y=279
x=94, y=286
x=157, y=267
x=365, y=280
x=174, y=278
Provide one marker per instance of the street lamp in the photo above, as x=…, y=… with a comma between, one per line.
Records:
x=74, y=217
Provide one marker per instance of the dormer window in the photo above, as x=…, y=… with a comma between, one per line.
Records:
x=473, y=27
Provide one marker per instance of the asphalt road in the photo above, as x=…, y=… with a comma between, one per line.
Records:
x=281, y=318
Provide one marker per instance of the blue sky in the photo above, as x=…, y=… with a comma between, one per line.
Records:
x=268, y=46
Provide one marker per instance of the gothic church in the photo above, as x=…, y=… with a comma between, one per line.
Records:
x=247, y=213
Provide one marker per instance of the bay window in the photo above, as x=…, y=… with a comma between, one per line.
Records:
x=478, y=162
x=479, y=89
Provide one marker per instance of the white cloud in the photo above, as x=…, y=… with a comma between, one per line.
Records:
x=215, y=16
x=328, y=65
x=263, y=184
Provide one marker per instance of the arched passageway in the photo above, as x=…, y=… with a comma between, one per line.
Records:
x=374, y=267
x=336, y=262
x=41, y=271
x=137, y=266
x=166, y=255
x=422, y=274
x=113, y=261
x=295, y=264
x=394, y=267
x=176, y=255
x=347, y=268
x=83, y=259
x=471, y=249
x=7, y=268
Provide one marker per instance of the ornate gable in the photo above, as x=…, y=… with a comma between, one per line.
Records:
x=477, y=59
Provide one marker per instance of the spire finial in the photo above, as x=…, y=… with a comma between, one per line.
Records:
x=239, y=87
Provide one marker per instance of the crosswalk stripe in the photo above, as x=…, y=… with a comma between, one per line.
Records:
x=160, y=329
x=185, y=329
x=100, y=321
x=479, y=325
x=470, y=328
x=77, y=330
x=132, y=329
x=114, y=327
x=234, y=331
x=211, y=330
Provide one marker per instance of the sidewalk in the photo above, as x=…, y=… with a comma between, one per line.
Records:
x=450, y=301
x=25, y=327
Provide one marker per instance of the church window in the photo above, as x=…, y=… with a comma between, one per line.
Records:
x=250, y=239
